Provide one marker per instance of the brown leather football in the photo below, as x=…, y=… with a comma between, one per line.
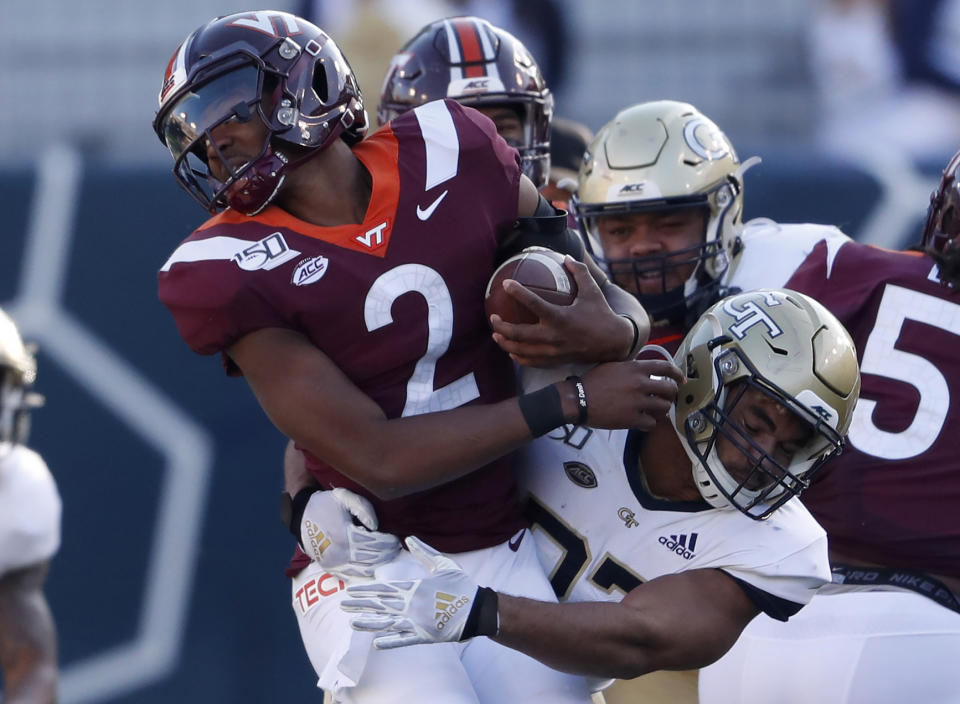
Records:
x=539, y=269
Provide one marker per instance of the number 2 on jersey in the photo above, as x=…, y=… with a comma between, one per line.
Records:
x=422, y=397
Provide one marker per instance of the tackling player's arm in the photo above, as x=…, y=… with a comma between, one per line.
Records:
x=313, y=402
x=605, y=323
x=28, y=641
x=675, y=622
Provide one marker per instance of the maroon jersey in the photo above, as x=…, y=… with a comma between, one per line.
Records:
x=891, y=497
x=396, y=302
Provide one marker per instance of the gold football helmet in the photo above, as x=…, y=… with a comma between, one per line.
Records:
x=660, y=156
x=753, y=362
x=18, y=369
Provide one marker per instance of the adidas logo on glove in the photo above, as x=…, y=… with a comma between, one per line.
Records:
x=447, y=605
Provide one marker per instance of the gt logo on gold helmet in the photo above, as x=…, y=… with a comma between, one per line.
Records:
x=787, y=350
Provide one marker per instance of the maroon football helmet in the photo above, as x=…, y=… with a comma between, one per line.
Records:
x=269, y=64
x=476, y=64
x=940, y=234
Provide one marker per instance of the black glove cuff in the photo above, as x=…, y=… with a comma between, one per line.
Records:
x=291, y=511
x=484, y=617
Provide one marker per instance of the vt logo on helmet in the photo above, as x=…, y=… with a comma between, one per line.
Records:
x=266, y=66
x=772, y=381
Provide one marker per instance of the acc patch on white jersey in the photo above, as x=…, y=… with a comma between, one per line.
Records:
x=29, y=509
x=599, y=533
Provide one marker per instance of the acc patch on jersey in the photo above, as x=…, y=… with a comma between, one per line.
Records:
x=580, y=474
x=310, y=270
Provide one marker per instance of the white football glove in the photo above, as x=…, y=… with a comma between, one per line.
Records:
x=331, y=538
x=447, y=606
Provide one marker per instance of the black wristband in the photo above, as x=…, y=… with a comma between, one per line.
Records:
x=292, y=508
x=636, y=336
x=581, y=400
x=543, y=410
x=484, y=616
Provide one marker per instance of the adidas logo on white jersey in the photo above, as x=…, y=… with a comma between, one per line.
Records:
x=681, y=544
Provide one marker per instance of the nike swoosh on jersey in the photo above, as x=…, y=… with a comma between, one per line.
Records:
x=518, y=537
x=424, y=214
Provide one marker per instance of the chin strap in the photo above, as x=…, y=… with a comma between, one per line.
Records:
x=258, y=186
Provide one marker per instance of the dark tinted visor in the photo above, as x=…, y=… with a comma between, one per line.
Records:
x=228, y=96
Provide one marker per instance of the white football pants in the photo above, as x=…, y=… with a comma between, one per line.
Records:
x=878, y=647
x=478, y=671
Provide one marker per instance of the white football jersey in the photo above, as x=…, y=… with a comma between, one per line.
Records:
x=600, y=533
x=29, y=509
x=772, y=252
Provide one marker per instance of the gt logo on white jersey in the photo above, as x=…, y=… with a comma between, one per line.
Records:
x=268, y=253
x=751, y=314
x=628, y=517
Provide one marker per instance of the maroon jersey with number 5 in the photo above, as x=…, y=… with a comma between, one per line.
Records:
x=395, y=302
x=891, y=497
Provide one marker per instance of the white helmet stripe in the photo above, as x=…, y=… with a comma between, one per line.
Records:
x=488, y=53
x=456, y=72
x=176, y=73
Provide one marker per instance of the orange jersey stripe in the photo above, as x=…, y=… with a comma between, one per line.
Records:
x=379, y=154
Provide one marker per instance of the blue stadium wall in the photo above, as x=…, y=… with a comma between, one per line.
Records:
x=219, y=628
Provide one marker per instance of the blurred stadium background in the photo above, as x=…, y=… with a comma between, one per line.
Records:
x=169, y=585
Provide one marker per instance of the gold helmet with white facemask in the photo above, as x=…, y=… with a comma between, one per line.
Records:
x=752, y=362
x=662, y=156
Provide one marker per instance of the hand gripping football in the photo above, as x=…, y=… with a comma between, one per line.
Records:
x=539, y=269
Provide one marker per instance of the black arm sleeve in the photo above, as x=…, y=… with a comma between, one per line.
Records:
x=547, y=228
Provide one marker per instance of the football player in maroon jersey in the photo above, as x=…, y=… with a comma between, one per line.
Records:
x=344, y=279
x=887, y=627
x=503, y=81
x=887, y=501
x=484, y=67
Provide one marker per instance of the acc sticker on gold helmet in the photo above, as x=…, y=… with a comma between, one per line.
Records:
x=639, y=190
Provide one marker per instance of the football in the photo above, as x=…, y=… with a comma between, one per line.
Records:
x=539, y=269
